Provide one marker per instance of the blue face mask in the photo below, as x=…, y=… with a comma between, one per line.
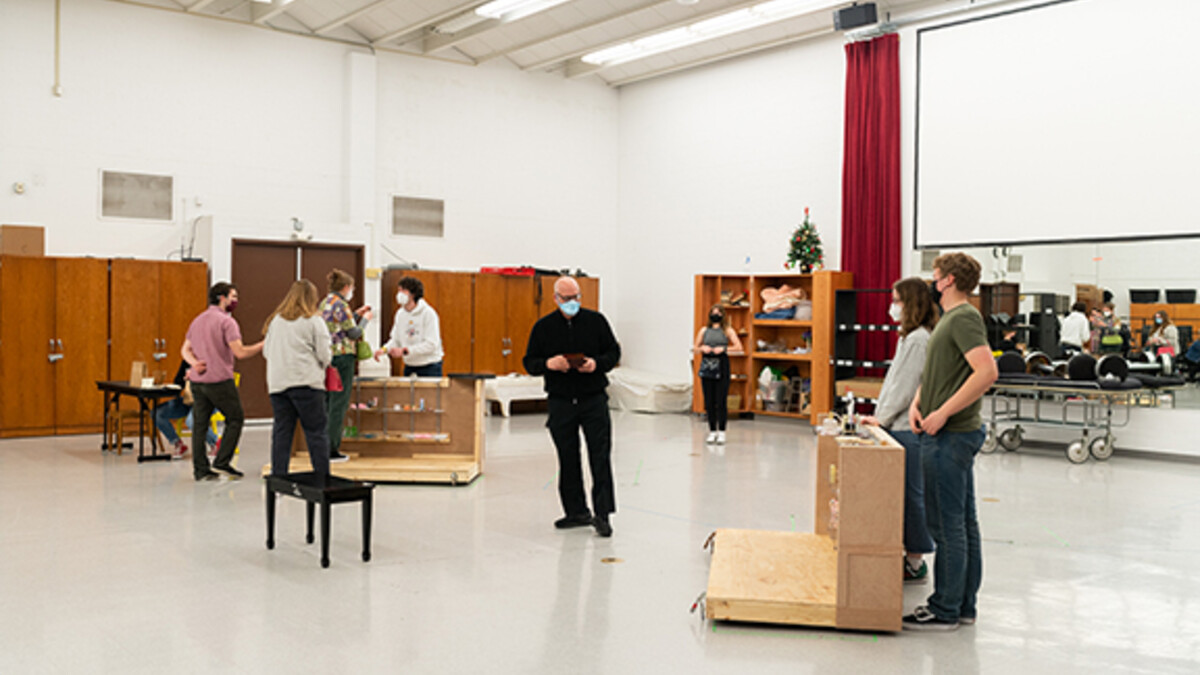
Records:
x=570, y=307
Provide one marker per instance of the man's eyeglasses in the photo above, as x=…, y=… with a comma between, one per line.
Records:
x=566, y=298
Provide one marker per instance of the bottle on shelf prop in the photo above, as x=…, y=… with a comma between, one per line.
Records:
x=804, y=248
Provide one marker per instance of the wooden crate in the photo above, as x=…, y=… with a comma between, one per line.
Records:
x=848, y=573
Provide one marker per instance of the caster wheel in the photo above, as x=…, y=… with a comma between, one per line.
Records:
x=366, y=556
x=1101, y=448
x=270, y=544
x=989, y=443
x=309, y=538
x=324, y=562
x=1011, y=439
x=1077, y=452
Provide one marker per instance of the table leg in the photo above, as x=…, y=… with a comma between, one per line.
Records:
x=309, y=510
x=366, y=527
x=270, y=519
x=325, y=517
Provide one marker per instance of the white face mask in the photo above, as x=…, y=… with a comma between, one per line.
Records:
x=401, y=298
x=895, y=311
x=349, y=295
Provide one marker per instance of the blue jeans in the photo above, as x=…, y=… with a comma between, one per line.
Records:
x=916, y=531
x=306, y=405
x=173, y=410
x=428, y=370
x=949, y=463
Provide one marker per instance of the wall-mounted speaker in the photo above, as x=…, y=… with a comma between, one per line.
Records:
x=854, y=16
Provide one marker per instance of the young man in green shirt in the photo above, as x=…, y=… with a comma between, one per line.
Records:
x=959, y=370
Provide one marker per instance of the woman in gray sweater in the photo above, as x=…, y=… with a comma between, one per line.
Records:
x=297, y=350
x=912, y=308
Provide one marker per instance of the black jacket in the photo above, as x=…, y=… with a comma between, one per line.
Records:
x=587, y=333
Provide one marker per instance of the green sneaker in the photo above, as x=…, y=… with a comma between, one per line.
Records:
x=915, y=575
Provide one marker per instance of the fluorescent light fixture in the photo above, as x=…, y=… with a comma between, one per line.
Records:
x=268, y=2
x=707, y=29
x=511, y=10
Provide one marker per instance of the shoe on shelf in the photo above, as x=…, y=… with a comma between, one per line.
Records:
x=229, y=470
x=720, y=438
x=573, y=521
x=336, y=456
x=208, y=475
x=711, y=438
x=180, y=450
x=915, y=575
x=924, y=619
x=603, y=528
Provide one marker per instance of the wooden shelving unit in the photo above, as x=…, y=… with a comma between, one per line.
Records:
x=847, y=573
x=816, y=334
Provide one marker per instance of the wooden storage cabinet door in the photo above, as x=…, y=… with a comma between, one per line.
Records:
x=133, y=316
x=184, y=295
x=81, y=324
x=26, y=328
x=521, y=312
x=490, y=325
x=456, y=292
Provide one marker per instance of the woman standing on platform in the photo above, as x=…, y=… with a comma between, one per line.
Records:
x=714, y=342
x=297, y=351
x=345, y=328
x=912, y=308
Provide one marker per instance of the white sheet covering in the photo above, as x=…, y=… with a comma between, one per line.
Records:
x=508, y=388
x=643, y=391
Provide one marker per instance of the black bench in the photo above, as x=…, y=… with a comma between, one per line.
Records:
x=325, y=491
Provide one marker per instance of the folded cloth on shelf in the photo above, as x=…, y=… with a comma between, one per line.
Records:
x=779, y=298
x=785, y=313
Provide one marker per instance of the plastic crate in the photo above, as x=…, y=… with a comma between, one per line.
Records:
x=1144, y=296
x=1181, y=296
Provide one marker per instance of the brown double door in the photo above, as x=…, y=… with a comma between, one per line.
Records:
x=263, y=271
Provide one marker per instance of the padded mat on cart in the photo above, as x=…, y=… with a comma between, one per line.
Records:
x=1156, y=381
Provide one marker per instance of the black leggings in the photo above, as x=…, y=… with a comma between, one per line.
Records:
x=716, y=391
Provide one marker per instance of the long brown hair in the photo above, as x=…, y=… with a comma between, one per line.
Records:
x=918, y=305
x=300, y=302
x=724, y=317
x=1158, y=328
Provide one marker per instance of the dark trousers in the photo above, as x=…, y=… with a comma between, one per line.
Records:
x=427, y=370
x=949, y=462
x=567, y=416
x=221, y=396
x=307, y=405
x=337, y=402
x=916, y=527
x=716, y=400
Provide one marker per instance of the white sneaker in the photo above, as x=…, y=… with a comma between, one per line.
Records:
x=711, y=438
x=720, y=438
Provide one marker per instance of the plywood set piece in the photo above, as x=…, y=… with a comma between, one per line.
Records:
x=848, y=573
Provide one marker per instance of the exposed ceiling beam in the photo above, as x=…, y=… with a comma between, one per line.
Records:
x=347, y=18
x=435, y=42
x=575, y=29
x=546, y=63
x=199, y=5
x=264, y=13
x=414, y=30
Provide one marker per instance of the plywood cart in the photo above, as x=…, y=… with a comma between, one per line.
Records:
x=409, y=430
x=846, y=574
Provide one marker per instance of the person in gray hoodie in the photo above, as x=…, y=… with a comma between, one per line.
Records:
x=912, y=308
x=297, y=350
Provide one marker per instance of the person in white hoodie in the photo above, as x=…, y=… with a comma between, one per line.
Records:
x=416, y=332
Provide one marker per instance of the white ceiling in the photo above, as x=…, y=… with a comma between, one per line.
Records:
x=551, y=41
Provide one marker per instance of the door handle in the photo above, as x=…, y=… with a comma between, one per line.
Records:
x=54, y=357
x=60, y=345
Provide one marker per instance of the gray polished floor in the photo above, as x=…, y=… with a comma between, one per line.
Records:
x=111, y=566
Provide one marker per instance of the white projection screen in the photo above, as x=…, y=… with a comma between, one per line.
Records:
x=1069, y=121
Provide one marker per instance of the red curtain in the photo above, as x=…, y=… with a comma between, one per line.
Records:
x=871, y=182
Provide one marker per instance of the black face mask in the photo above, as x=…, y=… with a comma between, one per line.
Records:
x=935, y=293
x=715, y=318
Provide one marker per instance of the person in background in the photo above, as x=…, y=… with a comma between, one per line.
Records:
x=298, y=351
x=945, y=413
x=1075, y=333
x=345, y=328
x=573, y=348
x=213, y=342
x=1164, y=336
x=177, y=408
x=416, y=332
x=714, y=341
x=912, y=308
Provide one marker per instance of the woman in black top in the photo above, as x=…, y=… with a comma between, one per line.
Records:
x=714, y=341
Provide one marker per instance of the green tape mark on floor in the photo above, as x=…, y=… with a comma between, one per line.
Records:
x=638, y=476
x=793, y=522
x=800, y=636
x=1060, y=539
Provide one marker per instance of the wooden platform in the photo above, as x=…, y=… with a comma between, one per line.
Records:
x=773, y=577
x=417, y=469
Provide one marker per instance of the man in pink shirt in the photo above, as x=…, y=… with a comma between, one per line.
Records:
x=213, y=342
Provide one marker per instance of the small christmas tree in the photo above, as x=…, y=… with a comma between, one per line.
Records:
x=805, y=247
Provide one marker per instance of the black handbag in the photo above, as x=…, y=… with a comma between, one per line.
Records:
x=710, y=367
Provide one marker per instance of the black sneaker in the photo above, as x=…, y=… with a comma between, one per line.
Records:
x=232, y=472
x=573, y=521
x=915, y=575
x=208, y=475
x=603, y=528
x=336, y=456
x=923, y=619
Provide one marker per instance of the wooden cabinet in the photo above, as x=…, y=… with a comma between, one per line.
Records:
x=803, y=344
x=151, y=304
x=53, y=344
x=505, y=310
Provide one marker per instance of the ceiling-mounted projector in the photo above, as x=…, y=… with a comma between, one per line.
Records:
x=854, y=16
